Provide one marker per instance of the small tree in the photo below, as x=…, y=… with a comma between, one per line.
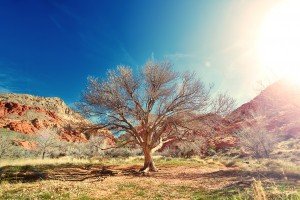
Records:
x=94, y=146
x=257, y=141
x=223, y=104
x=47, y=141
x=186, y=148
x=150, y=106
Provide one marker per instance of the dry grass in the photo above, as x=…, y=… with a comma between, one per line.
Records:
x=118, y=179
x=46, y=161
x=258, y=191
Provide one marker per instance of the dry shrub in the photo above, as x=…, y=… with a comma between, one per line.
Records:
x=184, y=149
x=257, y=141
x=230, y=163
x=122, y=152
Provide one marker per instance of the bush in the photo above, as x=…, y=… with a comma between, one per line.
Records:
x=92, y=148
x=211, y=152
x=122, y=152
x=9, y=147
x=230, y=163
x=183, y=150
x=258, y=142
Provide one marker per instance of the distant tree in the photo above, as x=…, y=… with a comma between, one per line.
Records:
x=94, y=146
x=223, y=104
x=186, y=149
x=257, y=141
x=47, y=141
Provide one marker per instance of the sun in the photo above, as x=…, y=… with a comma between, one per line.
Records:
x=279, y=40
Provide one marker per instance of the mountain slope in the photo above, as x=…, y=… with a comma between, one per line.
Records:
x=28, y=114
x=278, y=106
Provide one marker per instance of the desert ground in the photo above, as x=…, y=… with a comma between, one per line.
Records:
x=178, y=178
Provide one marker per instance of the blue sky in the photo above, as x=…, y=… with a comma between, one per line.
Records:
x=48, y=48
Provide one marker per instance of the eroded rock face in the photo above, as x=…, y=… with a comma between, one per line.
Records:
x=21, y=126
x=28, y=114
x=53, y=106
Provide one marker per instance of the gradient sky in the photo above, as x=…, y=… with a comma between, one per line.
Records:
x=48, y=48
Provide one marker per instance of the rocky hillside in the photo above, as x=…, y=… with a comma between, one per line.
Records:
x=278, y=107
x=28, y=114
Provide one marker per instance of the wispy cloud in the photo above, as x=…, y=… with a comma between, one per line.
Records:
x=4, y=90
x=127, y=56
x=56, y=22
x=5, y=83
x=176, y=56
x=12, y=80
x=189, y=61
x=65, y=10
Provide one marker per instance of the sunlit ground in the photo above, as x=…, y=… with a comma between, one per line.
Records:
x=222, y=176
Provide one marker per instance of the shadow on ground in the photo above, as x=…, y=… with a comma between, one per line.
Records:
x=92, y=173
x=64, y=172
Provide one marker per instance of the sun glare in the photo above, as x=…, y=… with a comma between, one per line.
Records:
x=279, y=41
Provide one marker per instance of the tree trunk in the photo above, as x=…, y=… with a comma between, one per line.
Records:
x=148, y=162
x=43, y=155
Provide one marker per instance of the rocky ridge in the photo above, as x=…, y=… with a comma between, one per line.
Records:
x=28, y=114
x=278, y=107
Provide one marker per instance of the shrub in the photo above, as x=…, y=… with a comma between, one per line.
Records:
x=92, y=148
x=9, y=147
x=122, y=152
x=230, y=163
x=185, y=149
x=258, y=142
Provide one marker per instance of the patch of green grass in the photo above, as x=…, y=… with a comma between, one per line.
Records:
x=45, y=195
x=141, y=193
x=158, y=197
x=85, y=197
x=189, y=162
x=125, y=186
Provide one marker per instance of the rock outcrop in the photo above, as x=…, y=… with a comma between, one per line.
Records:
x=28, y=114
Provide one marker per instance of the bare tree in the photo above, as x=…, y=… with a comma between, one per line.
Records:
x=223, y=104
x=47, y=140
x=150, y=106
x=95, y=145
x=258, y=142
x=186, y=148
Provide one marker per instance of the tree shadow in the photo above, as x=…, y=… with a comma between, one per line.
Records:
x=245, y=175
x=239, y=178
x=233, y=177
x=63, y=172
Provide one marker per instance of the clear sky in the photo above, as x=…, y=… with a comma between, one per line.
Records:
x=49, y=47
